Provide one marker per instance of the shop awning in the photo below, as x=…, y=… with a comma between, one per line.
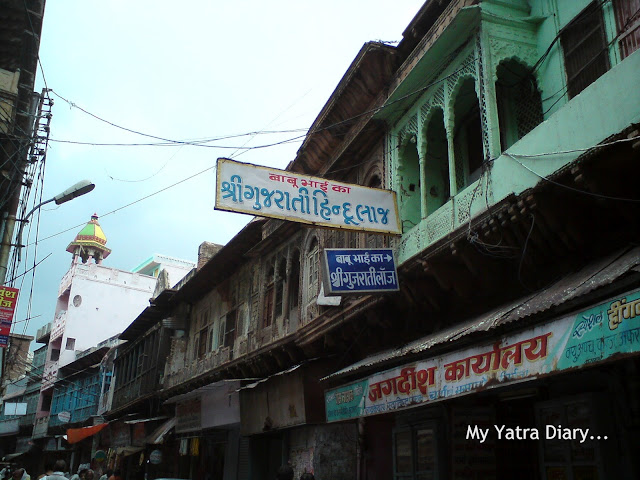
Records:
x=157, y=437
x=283, y=372
x=208, y=388
x=126, y=451
x=74, y=435
x=569, y=289
x=144, y=420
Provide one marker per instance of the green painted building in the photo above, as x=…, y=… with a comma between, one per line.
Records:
x=512, y=141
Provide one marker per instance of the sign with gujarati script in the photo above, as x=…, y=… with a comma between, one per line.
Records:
x=268, y=192
x=359, y=270
x=8, y=301
x=611, y=328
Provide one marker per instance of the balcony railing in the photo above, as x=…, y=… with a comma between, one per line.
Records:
x=210, y=361
x=27, y=420
x=43, y=333
x=66, y=280
x=58, y=325
x=40, y=427
x=78, y=414
x=50, y=375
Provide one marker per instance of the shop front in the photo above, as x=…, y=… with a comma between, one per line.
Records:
x=555, y=400
x=207, y=435
x=283, y=417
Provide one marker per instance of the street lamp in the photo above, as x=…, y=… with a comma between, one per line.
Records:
x=80, y=188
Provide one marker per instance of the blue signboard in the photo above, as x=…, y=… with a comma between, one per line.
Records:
x=359, y=270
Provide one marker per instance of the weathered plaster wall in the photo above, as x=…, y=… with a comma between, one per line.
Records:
x=329, y=451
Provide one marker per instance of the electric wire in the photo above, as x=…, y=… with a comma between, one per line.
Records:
x=134, y=202
x=317, y=130
x=64, y=382
x=577, y=190
x=37, y=49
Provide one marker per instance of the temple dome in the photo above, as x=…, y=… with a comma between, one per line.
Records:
x=90, y=241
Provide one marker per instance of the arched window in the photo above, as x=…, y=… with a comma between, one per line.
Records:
x=467, y=139
x=312, y=263
x=267, y=305
x=280, y=282
x=409, y=184
x=519, y=102
x=294, y=290
x=436, y=165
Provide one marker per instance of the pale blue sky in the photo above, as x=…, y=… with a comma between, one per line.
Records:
x=200, y=69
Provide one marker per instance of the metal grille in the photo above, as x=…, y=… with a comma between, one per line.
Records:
x=482, y=100
x=440, y=223
x=467, y=67
x=424, y=109
x=438, y=97
x=528, y=108
x=401, y=135
x=459, y=161
x=464, y=202
x=412, y=126
x=585, y=49
x=628, y=23
x=243, y=458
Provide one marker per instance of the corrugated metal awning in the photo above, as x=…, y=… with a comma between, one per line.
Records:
x=143, y=420
x=207, y=388
x=596, y=275
x=157, y=437
x=262, y=380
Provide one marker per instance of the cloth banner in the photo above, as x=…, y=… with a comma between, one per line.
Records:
x=74, y=435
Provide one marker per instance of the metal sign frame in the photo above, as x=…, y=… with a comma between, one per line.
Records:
x=360, y=265
x=269, y=192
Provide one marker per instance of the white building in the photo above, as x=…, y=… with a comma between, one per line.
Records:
x=95, y=303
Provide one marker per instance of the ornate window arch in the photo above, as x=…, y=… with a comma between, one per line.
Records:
x=294, y=290
x=408, y=177
x=518, y=100
x=467, y=132
x=269, y=294
x=437, y=185
x=312, y=276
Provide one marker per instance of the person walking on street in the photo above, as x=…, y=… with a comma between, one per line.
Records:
x=58, y=471
x=20, y=474
x=48, y=470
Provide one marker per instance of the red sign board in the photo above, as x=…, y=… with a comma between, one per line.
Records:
x=8, y=301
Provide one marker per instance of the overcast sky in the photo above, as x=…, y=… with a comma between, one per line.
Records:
x=194, y=70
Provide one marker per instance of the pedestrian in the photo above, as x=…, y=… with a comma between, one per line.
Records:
x=20, y=473
x=48, y=470
x=106, y=474
x=82, y=470
x=58, y=471
x=285, y=472
x=88, y=474
x=307, y=476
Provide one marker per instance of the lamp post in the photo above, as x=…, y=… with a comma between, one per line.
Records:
x=80, y=188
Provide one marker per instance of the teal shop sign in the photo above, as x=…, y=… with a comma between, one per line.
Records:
x=602, y=331
x=346, y=402
x=588, y=337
